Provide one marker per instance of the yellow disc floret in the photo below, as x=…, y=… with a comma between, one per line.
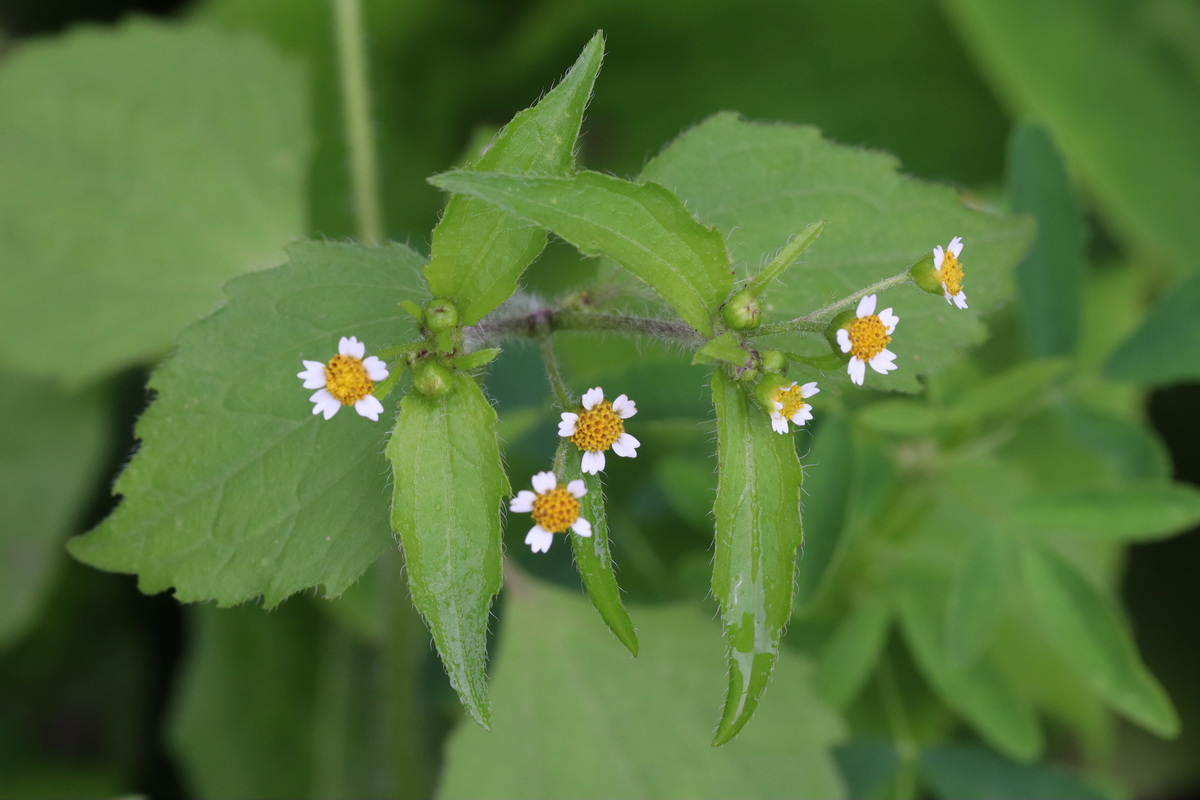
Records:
x=791, y=398
x=951, y=273
x=868, y=337
x=556, y=510
x=597, y=428
x=347, y=380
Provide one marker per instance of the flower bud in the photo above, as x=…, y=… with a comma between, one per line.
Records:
x=773, y=361
x=768, y=387
x=925, y=275
x=441, y=315
x=841, y=321
x=742, y=312
x=431, y=379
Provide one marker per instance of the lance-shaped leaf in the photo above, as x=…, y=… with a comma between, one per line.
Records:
x=1135, y=513
x=237, y=489
x=594, y=561
x=758, y=534
x=642, y=226
x=479, y=251
x=449, y=484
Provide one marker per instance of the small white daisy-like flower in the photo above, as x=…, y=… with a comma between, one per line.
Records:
x=347, y=380
x=950, y=271
x=555, y=509
x=866, y=340
x=788, y=404
x=598, y=427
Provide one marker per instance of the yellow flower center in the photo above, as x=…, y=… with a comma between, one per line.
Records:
x=347, y=380
x=555, y=510
x=951, y=273
x=868, y=337
x=791, y=398
x=597, y=429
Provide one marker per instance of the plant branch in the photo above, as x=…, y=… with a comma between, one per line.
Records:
x=356, y=110
x=818, y=320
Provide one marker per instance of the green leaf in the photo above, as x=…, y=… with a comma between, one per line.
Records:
x=237, y=489
x=979, y=593
x=449, y=484
x=902, y=417
x=993, y=396
x=1091, y=637
x=754, y=182
x=1166, y=348
x=724, y=348
x=594, y=561
x=604, y=725
x=970, y=772
x=154, y=162
x=853, y=651
x=478, y=251
x=51, y=448
x=1129, y=513
x=785, y=258
x=758, y=534
x=642, y=226
x=1050, y=277
x=1099, y=78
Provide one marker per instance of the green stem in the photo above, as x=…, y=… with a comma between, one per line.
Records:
x=539, y=324
x=356, y=106
x=562, y=397
x=893, y=704
x=818, y=320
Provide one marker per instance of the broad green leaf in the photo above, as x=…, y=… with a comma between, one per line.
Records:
x=478, y=251
x=992, y=705
x=826, y=498
x=1131, y=446
x=587, y=721
x=993, y=396
x=1166, y=348
x=1117, y=97
x=1092, y=638
x=757, y=182
x=641, y=226
x=1128, y=513
x=970, y=772
x=594, y=561
x=153, y=163
x=237, y=489
x=853, y=651
x=51, y=448
x=448, y=487
x=979, y=593
x=1050, y=277
x=758, y=534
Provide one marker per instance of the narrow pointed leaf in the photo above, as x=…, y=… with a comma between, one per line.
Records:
x=853, y=652
x=449, y=483
x=642, y=226
x=757, y=537
x=479, y=251
x=594, y=561
x=1135, y=513
x=786, y=256
x=979, y=594
x=1165, y=349
x=723, y=348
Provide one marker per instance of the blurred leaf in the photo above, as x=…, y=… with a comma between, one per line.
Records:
x=828, y=468
x=853, y=651
x=902, y=417
x=757, y=182
x=1093, y=639
x=1129, y=513
x=594, y=561
x=1166, y=348
x=1050, y=277
x=147, y=165
x=979, y=593
x=1101, y=80
x=868, y=766
x=605, y=726
x=1131, y=446
x=51, y=449
x=642, y=226
x=479, y=252
x=970, y=772
x=993, y=396
x=237, y=489
x=449, y=484
x=758, y=533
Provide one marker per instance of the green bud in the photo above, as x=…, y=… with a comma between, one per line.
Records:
x=773, y=361
x=925, y=276
x=431, y=379
x=767, y=387
x=742, y=312
x=441, y=315
x=744, y=374
x=842, y=320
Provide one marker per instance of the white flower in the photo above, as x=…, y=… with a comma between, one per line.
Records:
x=555, y=509
x=950, y=271
x=866, y=339
x=347, y=380
x=788, y=402
x=598, y=427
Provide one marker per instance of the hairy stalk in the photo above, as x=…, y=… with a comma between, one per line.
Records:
x=816, y=321
x=540, y=323
x=356, y=109
x=562, y=397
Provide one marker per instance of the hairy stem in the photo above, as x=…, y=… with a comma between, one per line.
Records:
x=356, y=108
x=817, y=321
x=562, y=397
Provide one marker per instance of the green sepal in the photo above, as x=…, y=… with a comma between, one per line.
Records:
x=725, y=348
x=477, y=359
x=925, y=275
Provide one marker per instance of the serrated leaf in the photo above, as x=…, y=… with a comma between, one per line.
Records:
x=478, y=251
x=755, y=181
x=979, y=593
x=604, y=725
x=1131, y=513
x=237, y=489
x=970, y=772
x=1165, y=349
x=853, y=651
x=449, y=484
x=758, y=535
x=147, y=164
x=594, y=561
x=641, y=226
x=1090, y=636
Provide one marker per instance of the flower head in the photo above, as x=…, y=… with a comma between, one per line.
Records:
x=950, y=272
x=347, y=380
x=598, y=427
x=787, y=403
x=866, y=339
x=555, y=509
